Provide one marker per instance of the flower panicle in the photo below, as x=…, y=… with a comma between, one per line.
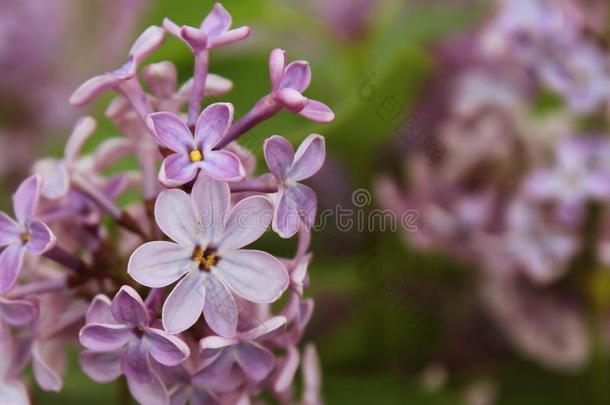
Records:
x=165, y=290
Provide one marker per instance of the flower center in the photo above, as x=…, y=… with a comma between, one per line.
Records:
x=138, y=331
x=206, y=259
x=196, y=156
x=26, y=237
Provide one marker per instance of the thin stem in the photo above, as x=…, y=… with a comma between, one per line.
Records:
x=121, y=217
x=134, y=93
x=264, y=108
x=132, y=90
x=200, y=75
x=97, y=196
x=66, y=259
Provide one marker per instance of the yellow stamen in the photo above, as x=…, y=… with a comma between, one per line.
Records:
x=204, y=258
x=196, y=156
x=26, y=237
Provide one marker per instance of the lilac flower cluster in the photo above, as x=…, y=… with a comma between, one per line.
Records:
x=521, y=192
x=165, y=292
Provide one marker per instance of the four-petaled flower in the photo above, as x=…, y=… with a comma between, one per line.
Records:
x=207, y=255
x=244, y=349
x=120, y=338
x=24, y=235
x=214, y=31
x=146, y=43
x=192, y=153
x=289, y=82
x=295, y=202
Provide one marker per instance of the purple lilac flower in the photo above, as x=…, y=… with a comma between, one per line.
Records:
x=206, y=255
x=26, y=234
x=19, y=312
x=580, y=174
x=215, y=276
x=288, y=82
x=243, y=348
x=146, y=43
x=56, y=173
x=195, y=153
x=295, y=202
x=120, y=338
x=213, y=32
x=161, y=80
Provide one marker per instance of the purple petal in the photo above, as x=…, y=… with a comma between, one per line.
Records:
x=19, y=312
x=176, y=217
x=82, y=131
x=14, y=392
x=203, y=397
x=279, y=155
x=42, y=239
x=286, y=370
x=180, y=395
x=99, y=311
x=10, y=231
x=211, y=199
x=48, y=363
x=318, y=112
x=253, y=275
x=134, y=362
x=291, y=99
x=217, y=85
x=297, y=76
x=266, y=329
x=184, y=304
x=223, y=166
x=25, y=200
x=216, y=342
x=308, y=159
x=218, y=21
x=256, y=361
x=101, y=367
x=92, y=88
x=104, y=337
x=194, y=37
x=311, y=375
x=220, y=309
x=161, y=78
x=147, y=43
x=166, y=349
x=212, y=124
x=248, y=221
x=11, y=261
x=112, y=150
x=171, y=132
x=297, y=204
x=229, y=37
x=55, y=178
x=158, y=264
x=215, y=372
x=128, y=308
x=277, y=61
x=152, y=392
x=171, y=27
x=176, y=170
